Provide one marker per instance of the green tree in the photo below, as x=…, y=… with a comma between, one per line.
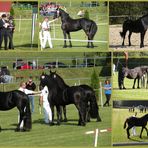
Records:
x=12, y=11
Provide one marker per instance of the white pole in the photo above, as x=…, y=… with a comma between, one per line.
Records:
x=20, y=24
x=96, y=137
x=101, y=98
x=54, y=34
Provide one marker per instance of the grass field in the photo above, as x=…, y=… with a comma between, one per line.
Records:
x=128, y=93
x=68, y=134
x=118, y=133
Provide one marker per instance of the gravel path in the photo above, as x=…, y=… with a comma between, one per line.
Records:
x=115, y=40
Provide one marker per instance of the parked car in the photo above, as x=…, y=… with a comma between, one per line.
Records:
x=54, y=65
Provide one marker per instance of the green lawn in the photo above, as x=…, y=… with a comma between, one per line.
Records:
x=118, y=133
x=128, y=93
x=66, y=135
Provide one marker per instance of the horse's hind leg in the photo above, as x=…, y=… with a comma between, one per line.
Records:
x=134, y=83
x=129, y=38
x=142, y=39
x=64, y=112
x=138, y=83
x=141, y=132
x=128, y=133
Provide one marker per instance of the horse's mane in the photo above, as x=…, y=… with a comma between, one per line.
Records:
x=66, y=14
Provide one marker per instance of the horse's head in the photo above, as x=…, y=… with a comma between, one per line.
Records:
x=57, y=13
x=60, y=13
x=58, y=79
x=43, y=81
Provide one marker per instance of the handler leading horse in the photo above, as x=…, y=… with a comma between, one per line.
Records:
x=72, y=25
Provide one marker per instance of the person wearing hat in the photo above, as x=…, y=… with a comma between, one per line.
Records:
x=46, y=32
x=3, y=31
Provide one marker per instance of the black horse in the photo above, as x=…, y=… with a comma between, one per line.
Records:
x=72, y=25
x=135, y=73
x=138, y=26
x=92, y=106
x=134, y=121
x=60, y=95
x=16, y=98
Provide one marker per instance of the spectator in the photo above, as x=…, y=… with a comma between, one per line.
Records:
x=107, y=88
x=30, y=85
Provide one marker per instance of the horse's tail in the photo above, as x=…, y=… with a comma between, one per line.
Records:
x=94, y=109
x=120, y=77
x=27, y=120
x=125, y=27
x=93, y=29
x=125, y=123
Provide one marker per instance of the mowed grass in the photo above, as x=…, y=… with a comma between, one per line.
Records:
x=128, y=93
x=66, y=135
x=118, y=133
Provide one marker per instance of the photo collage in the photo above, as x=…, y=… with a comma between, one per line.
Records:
x=73, y=73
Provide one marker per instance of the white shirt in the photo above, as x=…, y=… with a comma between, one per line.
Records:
x=44, y=94
x=26, y=91
x=46, y=25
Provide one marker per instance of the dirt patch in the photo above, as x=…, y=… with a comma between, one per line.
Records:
x=115, y=40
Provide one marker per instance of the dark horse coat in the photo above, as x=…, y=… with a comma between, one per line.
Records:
x=135, y=73
x=134, y=121
x=16, y=98
x=72, y=25
x=90, y=99
x=60, y=96
x=138, y=26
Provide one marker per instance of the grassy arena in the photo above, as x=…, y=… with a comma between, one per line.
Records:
x=22, y=34
x=128, y=93
x=66, y=135
x=119, y=134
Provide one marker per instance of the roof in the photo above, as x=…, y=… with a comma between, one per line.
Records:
x=5, y=6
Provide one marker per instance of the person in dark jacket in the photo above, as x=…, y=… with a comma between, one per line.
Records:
x=3, y=31
x=30, y=85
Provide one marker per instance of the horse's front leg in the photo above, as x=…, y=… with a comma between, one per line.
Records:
x=129, y=38
x=128, y=133
x=52, y=110
x=138, y=83
x=141, y=132
x=146, y=130
x=69, y=37
x=142, y=39
x=123, y=84
x=64, y=112
x=65, y=37
x=134, y=83
x=20, y=124
x=58, y=114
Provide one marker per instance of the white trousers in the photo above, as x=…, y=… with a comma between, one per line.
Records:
x=46, y=37
x=47, y=112
x=134, y=131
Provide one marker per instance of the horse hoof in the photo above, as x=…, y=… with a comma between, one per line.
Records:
x=51, y=124
x=65, y=120
x=87, y=46
x=64, y=46
x=70, y=46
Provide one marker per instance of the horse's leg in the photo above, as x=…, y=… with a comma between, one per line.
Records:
x=138, y=83
x=142, y=39
x=21, y=115
x=69, y=37
x=134, y=83
x=128, y=133
x=52, y=110
x=123, y=84
x=129, y=38
x=88, y=114
x=146, y=130
x=58, y=114
x=141, y=132
x=65, y=37
x=64, y=112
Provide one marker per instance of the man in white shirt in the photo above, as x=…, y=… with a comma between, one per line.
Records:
x=46, y=32
x=46, y=106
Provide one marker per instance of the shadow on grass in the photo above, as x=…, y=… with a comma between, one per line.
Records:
x=26, y=45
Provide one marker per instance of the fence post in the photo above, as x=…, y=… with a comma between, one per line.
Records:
x=20, y=23
x=101, y=98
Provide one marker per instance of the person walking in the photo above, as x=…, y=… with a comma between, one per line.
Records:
x=30, y=85
x=46, y=106
x=3, y=31
x=134, y=127
x=107, y=88
x=46, y=32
